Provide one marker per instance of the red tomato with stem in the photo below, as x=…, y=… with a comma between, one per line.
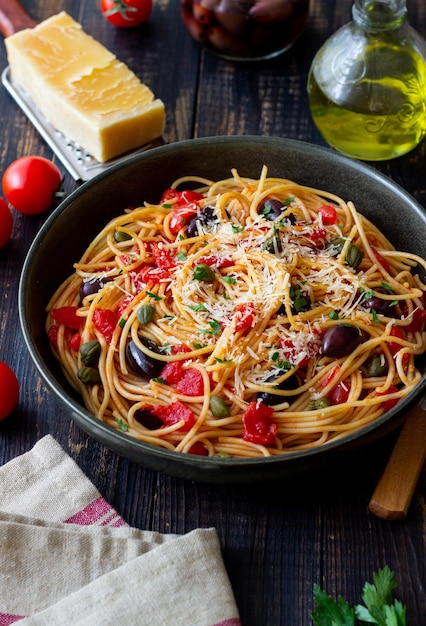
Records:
x=126, y=13
x=6, y=223
x=9, y=390
x=30, y=184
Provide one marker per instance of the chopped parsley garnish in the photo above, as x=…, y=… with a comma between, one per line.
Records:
x=154, y=296
x=374, y=316
x=204, y=272
x=158, y=379
x=215, y=328
x=229, y=279
x=181, y=256
x=333, y=315
x=122, y=425
x=198, y=307
x=122, y=322
x=237, y=229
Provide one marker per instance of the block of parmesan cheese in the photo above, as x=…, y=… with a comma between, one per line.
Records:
x=82, y=89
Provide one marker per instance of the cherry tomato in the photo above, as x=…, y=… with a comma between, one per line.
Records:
x=30, y=184
x=6, y=223
x=126, y=13
x=328, y=213
x=9, y=386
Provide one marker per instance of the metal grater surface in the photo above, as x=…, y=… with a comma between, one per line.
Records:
x=81, y=165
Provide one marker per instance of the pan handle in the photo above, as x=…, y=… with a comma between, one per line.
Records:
x=13, y=17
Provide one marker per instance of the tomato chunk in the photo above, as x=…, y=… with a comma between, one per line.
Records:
x=389, y=404
x=340, y=393
x=258, y=427
x=328, y=214
x=380, y=260
x=185, y=206
x=176, y=412
x=105, y=321
x=162, y=258
x=67, y=315
x=191, y=383
x=245, y=314
x=172, y=372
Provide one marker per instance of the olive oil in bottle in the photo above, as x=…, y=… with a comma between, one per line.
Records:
x=367, y=84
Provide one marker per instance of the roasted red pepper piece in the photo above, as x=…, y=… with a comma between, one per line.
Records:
x=258, y=427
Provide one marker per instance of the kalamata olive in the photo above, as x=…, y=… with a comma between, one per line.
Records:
x=272, y=209
x=148, y=419
x=289, y=384
x=205, y=217
x=92, y=285
x=341, y=340
x=141, y=363
x=382, y=307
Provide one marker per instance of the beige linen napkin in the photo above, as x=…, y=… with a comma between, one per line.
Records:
x=68, y=558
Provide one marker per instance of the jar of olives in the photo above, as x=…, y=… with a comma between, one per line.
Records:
x=245, y=29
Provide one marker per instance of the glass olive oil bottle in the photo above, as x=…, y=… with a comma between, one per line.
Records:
x=367, y=83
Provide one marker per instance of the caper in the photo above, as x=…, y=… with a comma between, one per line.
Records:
x=89, y=375
x=90, y=352
x=353, y=255
x=120, y=236
x=320, y=403
x=376, y=367
x=146, y=313
x=218, y=407
x=273, y=245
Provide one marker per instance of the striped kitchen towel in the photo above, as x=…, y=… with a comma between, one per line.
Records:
x=68, y=558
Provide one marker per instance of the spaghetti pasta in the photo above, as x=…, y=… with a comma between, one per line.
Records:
x=242, y=317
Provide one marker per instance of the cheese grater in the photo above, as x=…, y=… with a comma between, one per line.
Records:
x=79, y=163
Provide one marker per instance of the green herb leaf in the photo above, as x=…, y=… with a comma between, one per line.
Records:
x=328, y=612
x=122, y=425
x=181, y=256
x=215, y=328
x=229, y=279
x=237, y=229
x=158, y=379
x=154, y=296
x=333, y=315
x=204, y=272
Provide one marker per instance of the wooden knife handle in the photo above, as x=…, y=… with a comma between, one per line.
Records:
x=393, y=493
x=13, y=17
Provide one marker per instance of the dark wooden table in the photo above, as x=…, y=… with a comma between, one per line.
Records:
x=279, y=539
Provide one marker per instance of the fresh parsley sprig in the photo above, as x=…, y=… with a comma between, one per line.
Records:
x=379, y=607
